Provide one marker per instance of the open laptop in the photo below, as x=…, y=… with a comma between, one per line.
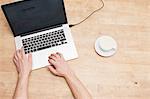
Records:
x=41, y=27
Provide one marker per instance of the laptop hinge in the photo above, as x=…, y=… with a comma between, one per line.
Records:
x=40, y=30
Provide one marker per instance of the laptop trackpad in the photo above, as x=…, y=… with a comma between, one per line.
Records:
x=40, y=58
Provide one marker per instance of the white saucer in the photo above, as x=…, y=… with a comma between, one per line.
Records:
x=105, y=46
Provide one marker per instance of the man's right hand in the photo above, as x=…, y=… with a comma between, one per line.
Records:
x=58, y=66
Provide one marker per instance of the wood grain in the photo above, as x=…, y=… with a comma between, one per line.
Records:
x=126, y=75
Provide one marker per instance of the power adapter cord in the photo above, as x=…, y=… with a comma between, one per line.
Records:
x=72, y=25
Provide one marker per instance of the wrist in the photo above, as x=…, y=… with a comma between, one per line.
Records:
x=69, y=74
x=24, y=75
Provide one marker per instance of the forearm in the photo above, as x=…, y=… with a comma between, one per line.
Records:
x=21, y=88
x=77, y=88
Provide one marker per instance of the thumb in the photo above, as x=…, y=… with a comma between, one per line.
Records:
x=51, y=68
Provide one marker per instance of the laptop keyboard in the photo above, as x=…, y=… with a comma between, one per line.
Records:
x=47, y=40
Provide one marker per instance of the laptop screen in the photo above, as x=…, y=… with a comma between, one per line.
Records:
x=31, y=15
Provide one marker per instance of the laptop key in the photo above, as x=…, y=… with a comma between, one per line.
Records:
x=44, y=41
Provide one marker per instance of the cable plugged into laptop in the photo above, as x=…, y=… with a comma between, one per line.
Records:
x=72, y=25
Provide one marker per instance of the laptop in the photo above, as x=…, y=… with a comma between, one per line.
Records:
x=41, y=27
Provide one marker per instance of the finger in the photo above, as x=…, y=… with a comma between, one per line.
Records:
x=57, y=55
x=16, y=57
x=49, y=63
x=61, y=55
x=53, y=70
x=18, y=54
x=15, y=54
x=16, y=63
x=50, y=59
x=14, y=60
x=52, y=62
x=51, y=54
x=30, y=57
x=53, y=57
x=22, y=52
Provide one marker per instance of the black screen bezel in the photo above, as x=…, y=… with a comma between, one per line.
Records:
x=31, y=31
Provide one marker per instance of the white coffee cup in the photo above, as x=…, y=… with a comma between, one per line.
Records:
x=105, y=46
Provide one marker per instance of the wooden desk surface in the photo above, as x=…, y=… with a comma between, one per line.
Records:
x=126, y=75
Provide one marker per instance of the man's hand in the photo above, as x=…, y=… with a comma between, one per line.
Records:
x=60, y=68
x=58, y=65
x=23, y=63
